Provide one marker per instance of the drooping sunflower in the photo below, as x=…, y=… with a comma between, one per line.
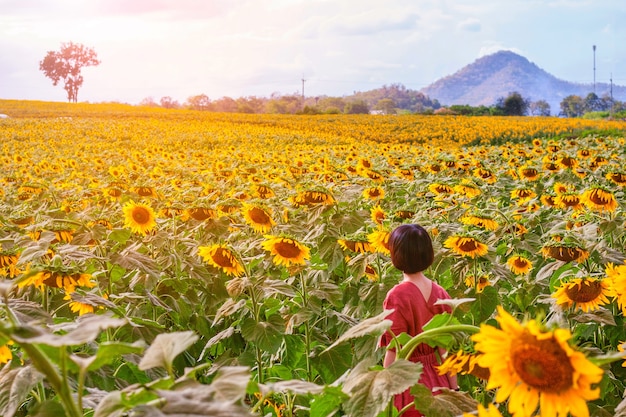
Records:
x=68, y=280
x=221, y=257
x=529, y=173
x=263, y=191
x=484, y=222
x=379, y=241
x=519, y=264
x=586, y=294
x=145, y=191
x=312, y=198
x=468, y=190
x=485, y=175
x=567, y=162
x=466, y=246
x=78, y=307
x=523, y=195
x=536, y=369
x=355, y=245
x=564, y=253
x=440, y=189
x=200, y=213
x=286, y=251
x=259, y=218
x=463, y=363
x=568, y=200
x=618, y=178
x=139, y=217
x=617, y=280
x=598, y=199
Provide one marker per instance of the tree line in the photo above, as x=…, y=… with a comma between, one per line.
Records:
x=66, y=65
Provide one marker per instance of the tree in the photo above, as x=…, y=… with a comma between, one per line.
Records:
x=168, y=102
x=386, y=105
x=572, y=106
x=513, y=105
x=199, y=102
x=356, y=107
x=539, y=108
x=66, y=65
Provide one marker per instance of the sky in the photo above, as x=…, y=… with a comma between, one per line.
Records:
x=150, y=49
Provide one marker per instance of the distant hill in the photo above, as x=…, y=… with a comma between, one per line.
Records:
x=496, y=75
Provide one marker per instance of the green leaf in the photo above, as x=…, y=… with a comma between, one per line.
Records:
x=85, y=329
x=333, y=363
x=49, y=408
x=111, y=406
x=294, y=350
x=374, y=325
x=296, y=386
x=120, y=235
x=371, y=390
x=485, y=304
x=165, y=348
x=15, y=385
x=328, y=402
x=447, y=403
x=108, y=352
x=267, y=335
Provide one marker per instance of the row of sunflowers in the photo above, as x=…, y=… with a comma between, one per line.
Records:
x=188, y=260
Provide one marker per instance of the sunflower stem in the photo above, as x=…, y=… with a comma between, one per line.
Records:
x=425, y=336
x=307, y=329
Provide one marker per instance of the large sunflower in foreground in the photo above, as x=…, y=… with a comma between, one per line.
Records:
x=466, y=246
x=286, y=251
x=139, y=217
x=221, y=257
x=536, y=369
x=586, y=294
x=259, y=218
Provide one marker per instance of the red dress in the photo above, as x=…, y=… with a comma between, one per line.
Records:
x=411, y=312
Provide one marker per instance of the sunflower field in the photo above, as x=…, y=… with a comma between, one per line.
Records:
x=169, y=262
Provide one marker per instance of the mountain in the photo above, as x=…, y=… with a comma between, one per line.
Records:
x=497, y=75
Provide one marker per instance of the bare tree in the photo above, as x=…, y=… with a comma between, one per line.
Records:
x=66, y=65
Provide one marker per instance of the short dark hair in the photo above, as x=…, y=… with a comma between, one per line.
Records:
x=411, y=248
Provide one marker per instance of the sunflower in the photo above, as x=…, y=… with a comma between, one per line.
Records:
x=404, y=214
x=371, y=273
x=286, y=251
x=144, y=191
x=599, y=199
x=8, y=263
x=564, y=253
x=221, y=257
x=483, y=222
x=139, y=217
x=378, y=215
x=259, y=218
x=5, y=354
x=529, y=173
x=617, y=279
x=263, y=191
x=532, y=368
x=567, y=162
x=483, y=281
x=312, y=198
x=358, y=246
x=463, y=363
x=568, y=200
x=78, y=307
x=466, y=246
x=523, y=195
x=379, y=241
x=58, y=279
x=440, y=189
x=200, y=213
x=548, y=200
x=586, y=294
x=469, y=191
x=519, y=264
x=490, y=411
x=618, y=178
x=485, y=175
x=374, y=193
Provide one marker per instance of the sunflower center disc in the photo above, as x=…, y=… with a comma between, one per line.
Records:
x=542, y=364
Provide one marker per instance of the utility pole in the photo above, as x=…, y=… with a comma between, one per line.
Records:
x=303, y=80
x=611, y=90
x=594, y=69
